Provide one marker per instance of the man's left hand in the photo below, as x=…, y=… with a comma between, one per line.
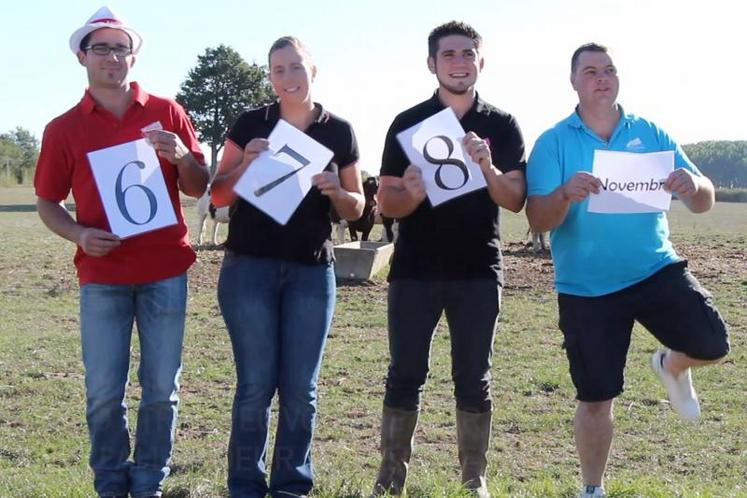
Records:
x=167, y=145
x=478, y=149
x=681, y=182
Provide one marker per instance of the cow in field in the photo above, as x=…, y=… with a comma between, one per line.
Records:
x=540, y=241
x=338, y=228
x=390, y=228
x=368, y=219
x=206, y=209
x=365, y=223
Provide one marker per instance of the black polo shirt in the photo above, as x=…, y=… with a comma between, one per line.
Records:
x=306, y=237
x=458, y=239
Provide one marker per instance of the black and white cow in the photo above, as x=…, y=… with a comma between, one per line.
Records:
x=370, y=217
x=206, y=209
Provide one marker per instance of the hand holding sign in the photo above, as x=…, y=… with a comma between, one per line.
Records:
x=96, y=242
x=478, y=149
x=132, y=188
x=328, y=184
x=580, y=186
x=279, y=178
x=681, y=182
x=413, y=182
x=435, y=146
x=167, y=145
x=252, y=150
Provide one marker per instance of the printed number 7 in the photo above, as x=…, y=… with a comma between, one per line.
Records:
x=295, y=155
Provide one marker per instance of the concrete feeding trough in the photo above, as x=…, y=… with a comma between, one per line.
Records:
x=361, y=260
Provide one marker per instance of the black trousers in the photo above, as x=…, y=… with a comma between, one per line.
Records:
x=414, y=309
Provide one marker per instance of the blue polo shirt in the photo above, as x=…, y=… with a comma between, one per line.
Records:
x=596, y=254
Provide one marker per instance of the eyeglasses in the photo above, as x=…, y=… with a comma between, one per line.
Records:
x=104, y=49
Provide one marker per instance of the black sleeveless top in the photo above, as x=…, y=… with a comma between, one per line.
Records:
x=305, y=238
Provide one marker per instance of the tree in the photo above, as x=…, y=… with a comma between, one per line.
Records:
x=19, y=150
x=217, y=90
x=723, y=161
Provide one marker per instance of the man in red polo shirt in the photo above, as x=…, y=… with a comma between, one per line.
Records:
x=141, y=278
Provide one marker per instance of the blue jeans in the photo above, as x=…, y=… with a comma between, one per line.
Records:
x=107, y=313
x=414, y=308
x=278, y=314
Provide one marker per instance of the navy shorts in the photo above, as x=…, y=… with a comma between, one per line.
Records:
x=671, y=304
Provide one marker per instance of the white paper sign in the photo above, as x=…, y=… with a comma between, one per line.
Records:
x=435, y=145
x=132, y=188
x=278, y=179
x=631, y=182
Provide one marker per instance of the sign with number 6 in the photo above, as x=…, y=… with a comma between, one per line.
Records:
x=132, y=189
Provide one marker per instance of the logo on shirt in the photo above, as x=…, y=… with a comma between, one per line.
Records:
x=635, y=144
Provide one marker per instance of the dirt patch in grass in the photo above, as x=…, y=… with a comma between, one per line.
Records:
x=526, y=270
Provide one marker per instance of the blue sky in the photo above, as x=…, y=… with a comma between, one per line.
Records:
x=681, y=63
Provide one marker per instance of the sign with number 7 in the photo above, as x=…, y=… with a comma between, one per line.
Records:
x=132, y=188
x=278, y=179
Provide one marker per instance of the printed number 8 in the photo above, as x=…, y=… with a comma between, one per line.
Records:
x=441, y=162
x=120, y=195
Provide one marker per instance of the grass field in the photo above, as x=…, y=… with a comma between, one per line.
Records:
x=43, y=437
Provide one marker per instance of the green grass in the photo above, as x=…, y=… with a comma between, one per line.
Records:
x=43, y=437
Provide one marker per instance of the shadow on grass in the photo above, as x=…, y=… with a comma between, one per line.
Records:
x=208, y=247
x=176, y=493
x=17, y=208
x=186, y=493
x=347, y=282
x=27, y=208
x=522, y=250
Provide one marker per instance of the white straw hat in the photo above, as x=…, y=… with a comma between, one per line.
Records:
x=104, y=18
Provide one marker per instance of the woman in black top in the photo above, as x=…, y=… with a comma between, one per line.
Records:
x=277, y=286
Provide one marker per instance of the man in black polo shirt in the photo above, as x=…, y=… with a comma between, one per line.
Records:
x=447, y=259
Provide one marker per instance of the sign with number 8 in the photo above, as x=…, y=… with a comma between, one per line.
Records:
x=435, y=146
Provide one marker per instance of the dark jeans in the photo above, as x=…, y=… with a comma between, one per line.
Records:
x=471, y=308
x=278, y=314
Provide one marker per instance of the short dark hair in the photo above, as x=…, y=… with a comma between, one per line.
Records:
x=452, y=28
x=84, y=42
x=586, y=47
x=287, y=41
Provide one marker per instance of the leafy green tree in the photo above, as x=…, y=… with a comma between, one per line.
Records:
x=219, y=88
x=723, y=161
x=10, y=155
x=19, y=150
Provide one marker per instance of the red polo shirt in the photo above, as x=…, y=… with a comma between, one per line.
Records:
x=63, y=166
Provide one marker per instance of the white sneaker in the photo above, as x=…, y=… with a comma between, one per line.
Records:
x=592, y=492
x=680, y=389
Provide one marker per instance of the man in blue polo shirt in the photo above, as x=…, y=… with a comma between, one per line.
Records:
x=614, y=269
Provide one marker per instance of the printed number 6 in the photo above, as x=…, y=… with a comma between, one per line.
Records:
x=121, y=193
